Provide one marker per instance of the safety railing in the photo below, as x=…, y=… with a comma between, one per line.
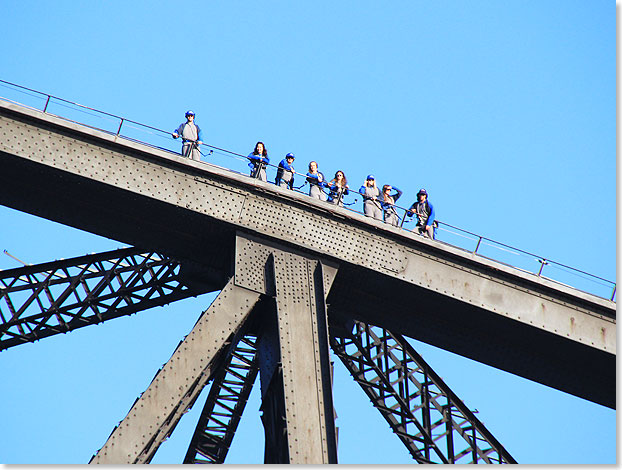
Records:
x=156, y=137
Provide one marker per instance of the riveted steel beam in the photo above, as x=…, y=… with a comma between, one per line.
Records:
x=178, y=383
x=293, y=351
x=305, y=364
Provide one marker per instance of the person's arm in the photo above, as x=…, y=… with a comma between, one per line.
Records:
x=279, y=174
x=199, y=135
x=253, y=161
x=291, y=169
x=432, y=215
x=362, y=192
x=177, y=132
x=411, y=211
x=397, y=195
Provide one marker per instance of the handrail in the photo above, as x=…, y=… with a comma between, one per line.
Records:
x=524, y=252
x=542, y=260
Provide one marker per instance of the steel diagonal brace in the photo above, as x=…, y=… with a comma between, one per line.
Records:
x=178, y=383
x=61, y=296
x=379, y=388
x=225, y=403
x=387, y=367
x=455, y=415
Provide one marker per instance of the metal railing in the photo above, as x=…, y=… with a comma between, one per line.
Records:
x=446, y=233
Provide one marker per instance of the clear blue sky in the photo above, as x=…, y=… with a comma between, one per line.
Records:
x=504, y=110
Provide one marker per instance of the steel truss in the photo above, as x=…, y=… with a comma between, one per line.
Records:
x=431, y=421
x=46, y=299
x=43, y=300
x=225, y=403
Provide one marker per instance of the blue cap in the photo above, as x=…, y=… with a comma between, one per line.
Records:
x=189, y=113
x=370, y=177
x=290, y=155
x=422, y=191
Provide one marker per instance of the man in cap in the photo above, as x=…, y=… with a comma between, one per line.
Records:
x=425, y=214
x=191, y=137
x=285, y=172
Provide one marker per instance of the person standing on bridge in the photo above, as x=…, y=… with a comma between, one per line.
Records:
x=388, y=204
x=258, y=161
x=339, y=188
x=191, y=137
x=285, y=172
x=316, y=181
x=371, y=198
x=424, y=210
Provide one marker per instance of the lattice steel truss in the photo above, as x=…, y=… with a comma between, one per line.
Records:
x=57, y=297
x=225, y=403
x=420, y=408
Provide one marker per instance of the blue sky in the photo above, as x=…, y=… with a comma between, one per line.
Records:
x=503, y=110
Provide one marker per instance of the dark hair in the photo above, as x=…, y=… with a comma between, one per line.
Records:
x=316, y=165
x=265, y=151
x=345, y=180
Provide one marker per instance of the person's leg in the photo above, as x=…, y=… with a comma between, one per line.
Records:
x=196, y=155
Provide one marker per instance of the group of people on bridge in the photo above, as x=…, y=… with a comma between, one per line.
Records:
x=377, y=204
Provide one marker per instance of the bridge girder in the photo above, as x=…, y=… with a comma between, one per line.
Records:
x=475, y=307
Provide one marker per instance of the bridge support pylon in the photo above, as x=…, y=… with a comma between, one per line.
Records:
x=293, y=350
x=291, y=324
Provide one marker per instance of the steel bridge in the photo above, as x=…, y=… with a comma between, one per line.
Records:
x=296, y=278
